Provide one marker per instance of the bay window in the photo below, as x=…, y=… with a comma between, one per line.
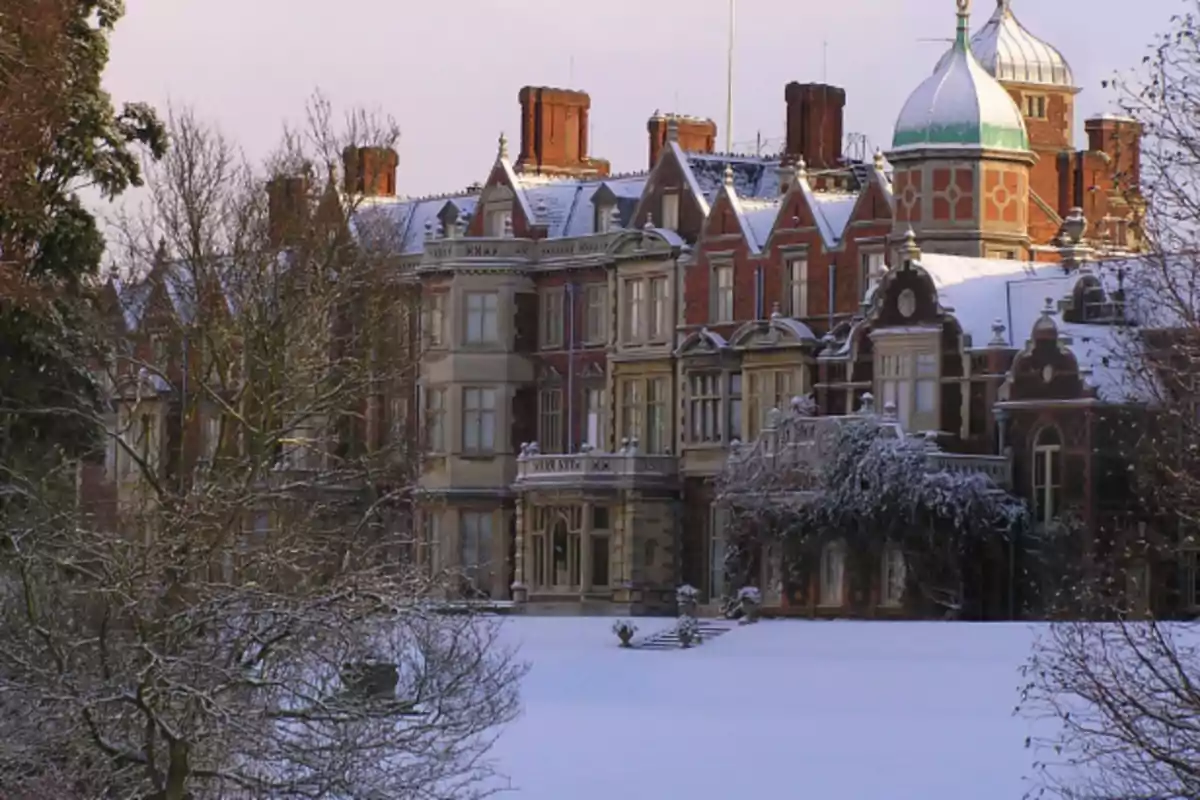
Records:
x=660, y=309
x=1047, y=475
x=645, y=413
x=482, y=317
x=769, y=389
x=550, y=421
x=704, y=407
x=479, y=420
x=909, y=382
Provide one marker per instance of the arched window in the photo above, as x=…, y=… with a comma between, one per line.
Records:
x=1047, y=475
x=833, y=574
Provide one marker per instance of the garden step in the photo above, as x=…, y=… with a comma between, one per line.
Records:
x=668, y=639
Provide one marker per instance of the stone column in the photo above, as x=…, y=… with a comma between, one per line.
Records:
x=520, y=590
x=585, y=551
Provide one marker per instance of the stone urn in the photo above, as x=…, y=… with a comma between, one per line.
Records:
x=751, y=601
x=687, y=599
x=624, y=631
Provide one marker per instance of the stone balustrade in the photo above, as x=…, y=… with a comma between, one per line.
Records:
x=591, y=468
x=454, y=252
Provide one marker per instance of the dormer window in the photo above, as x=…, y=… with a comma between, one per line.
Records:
x=670, y=211
x=498, y=222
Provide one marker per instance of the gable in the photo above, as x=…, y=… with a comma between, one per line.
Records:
x=874, y=204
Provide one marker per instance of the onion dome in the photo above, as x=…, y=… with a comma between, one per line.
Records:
x=1009, y=52
x=961, y=104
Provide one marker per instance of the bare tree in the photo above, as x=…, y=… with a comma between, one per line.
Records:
x=249, y=614
x=1115, y=703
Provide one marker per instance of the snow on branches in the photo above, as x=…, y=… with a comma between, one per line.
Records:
x=811, y=481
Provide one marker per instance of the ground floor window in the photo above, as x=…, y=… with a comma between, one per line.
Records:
x=599, y=560
x=895, y=571
x=475, y=541
x=833, y=574
x=717, y=583
x=1189, y=595
x=555, y=547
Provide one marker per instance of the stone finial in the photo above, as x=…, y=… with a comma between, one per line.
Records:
x=775, y=313
x=910, y=249
x=867, y=404
x=729, y=175
x=586, y=448
x=773, y=417
x=428, y=229
x=649, y=224
x=801, y=169
x=503, y=150
x=1074, y=226
x=508, y=227
x=633, y=445
x=998, y=334
x=879, y=161
x=889, y=411
x=624, y=445
x=672, y=129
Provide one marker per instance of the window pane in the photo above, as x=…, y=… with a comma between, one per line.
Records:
x=599, y=575
x=926, y=396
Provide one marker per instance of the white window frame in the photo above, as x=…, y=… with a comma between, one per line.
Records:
x=634, y=297
x=475, y=541
x=722, y=307
x=1048, y=457
x=910, y=379
x=871, y=267
x=658, y=319
x=435, y=319
x=894, y=573
x=704, y=407
x=670, y=210
x=434, y=414
x=795, y=294
x=596, y=399
x=482, y=318
x=498, y=221
x=553, y=317
x=595, y=313
x=479, y=420
x=550, y=420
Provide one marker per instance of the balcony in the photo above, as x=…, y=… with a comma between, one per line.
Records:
x=998, y=468
x=626, y=469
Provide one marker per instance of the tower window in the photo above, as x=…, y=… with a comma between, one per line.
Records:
x=1035, y=106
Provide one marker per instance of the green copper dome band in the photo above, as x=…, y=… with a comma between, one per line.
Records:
x=992, y=136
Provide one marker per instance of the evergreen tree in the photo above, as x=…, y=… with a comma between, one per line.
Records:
x=59, y=134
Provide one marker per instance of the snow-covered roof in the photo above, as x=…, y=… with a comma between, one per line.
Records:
x=1009, y=52
x=980, y=291
x=408, y=218
x=960, y=105
x=753, y=177
x=564, y=205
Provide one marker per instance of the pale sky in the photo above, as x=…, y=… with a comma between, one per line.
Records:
x=450, y=71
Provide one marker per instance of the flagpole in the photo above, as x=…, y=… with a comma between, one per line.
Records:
x=729, y=83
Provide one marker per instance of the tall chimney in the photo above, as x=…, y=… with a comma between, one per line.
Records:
x=694, y=135
x=554, y=133
x=814, y=124
x=370, y=171
x=1120, y=138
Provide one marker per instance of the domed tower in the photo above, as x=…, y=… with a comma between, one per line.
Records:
x=1035, y=74
x=961, y=158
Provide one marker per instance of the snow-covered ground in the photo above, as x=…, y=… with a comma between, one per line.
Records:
x=781, y=709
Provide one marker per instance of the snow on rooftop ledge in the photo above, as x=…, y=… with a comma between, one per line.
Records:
x=830, y=710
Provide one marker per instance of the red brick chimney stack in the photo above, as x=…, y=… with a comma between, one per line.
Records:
x=814, y=124
x=695, y=135
x=370, y=171
x=1120, y=139
x=554, y=133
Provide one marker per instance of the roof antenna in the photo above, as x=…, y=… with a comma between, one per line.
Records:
x=729, y=82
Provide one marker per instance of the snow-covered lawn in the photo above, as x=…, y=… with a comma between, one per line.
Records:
x=781, y=709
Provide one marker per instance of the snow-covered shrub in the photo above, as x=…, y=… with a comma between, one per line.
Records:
x=870, y=486
x=750, y=599
x=687, y=598
x=624, y=629
x=688, y=631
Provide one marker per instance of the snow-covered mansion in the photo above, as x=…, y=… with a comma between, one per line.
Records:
x=595, y=342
